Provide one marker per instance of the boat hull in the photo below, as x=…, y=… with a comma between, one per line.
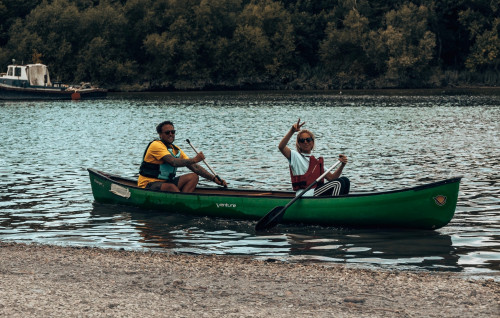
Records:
x=14, y=93
x=424, y=207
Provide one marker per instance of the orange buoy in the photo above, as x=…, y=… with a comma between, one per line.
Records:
x=76, y=96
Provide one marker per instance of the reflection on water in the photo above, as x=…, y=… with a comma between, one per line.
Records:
x=392, y=142
x=410, y=249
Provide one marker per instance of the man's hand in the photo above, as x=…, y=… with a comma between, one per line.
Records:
x=199, y=157
x=220, y=181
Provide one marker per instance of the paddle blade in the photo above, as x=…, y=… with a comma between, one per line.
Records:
x=271, y=219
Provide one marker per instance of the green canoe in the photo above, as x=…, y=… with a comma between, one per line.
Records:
x=429, y=206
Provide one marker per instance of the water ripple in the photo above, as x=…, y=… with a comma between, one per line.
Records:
x=391, y=141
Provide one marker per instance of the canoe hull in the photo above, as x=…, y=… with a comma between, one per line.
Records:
x=425, y=207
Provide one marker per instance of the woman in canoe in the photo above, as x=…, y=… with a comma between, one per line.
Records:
x=160, y=162
x=305, y=168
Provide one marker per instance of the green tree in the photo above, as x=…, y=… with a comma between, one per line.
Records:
x=408, y=45
x=161, y=52
x=96, y=65
x=103, y=55
x=139, y=24
x=172, y=55
x=49, y=29
x=483, y=24
x=343, y=52
x=10, y=10
x=309, y=20
x=452, y=41
x=216, y=22
x=485, y=53
x=263, y=43
x=255, y=43
x=172, y=50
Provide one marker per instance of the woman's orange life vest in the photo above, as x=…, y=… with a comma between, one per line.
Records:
x=315, y=170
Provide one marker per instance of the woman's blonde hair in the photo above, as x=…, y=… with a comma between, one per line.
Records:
x=297, y=143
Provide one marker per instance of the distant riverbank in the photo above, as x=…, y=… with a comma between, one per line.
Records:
x=462, y=90
x=50, y=281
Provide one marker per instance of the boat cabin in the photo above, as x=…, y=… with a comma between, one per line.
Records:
x=30, y=75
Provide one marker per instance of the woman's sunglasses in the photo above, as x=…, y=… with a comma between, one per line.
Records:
x=168, y=132
x=308, y=139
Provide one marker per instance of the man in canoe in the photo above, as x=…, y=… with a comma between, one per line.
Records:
x=161, y=159
x=305, y=168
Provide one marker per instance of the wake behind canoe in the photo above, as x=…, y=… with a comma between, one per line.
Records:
x=428, y=206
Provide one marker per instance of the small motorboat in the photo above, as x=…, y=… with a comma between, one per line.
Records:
x=32, y=82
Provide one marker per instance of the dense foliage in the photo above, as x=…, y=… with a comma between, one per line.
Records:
x=299, y=44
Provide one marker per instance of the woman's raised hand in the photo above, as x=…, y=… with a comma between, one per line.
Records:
x=296, y=127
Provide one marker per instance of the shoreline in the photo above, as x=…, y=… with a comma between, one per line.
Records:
x=434, y=91
x=50, y=281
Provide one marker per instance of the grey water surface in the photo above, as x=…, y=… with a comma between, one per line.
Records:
x=392, y=141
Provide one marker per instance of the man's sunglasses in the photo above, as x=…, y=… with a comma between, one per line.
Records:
x=168, y=132
x=308, y=139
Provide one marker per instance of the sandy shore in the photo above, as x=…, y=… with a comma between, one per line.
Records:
x=48, y=281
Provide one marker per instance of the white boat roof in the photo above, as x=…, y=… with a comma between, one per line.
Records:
x=35, y=74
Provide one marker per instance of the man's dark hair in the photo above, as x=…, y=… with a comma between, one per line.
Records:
x=160, y=125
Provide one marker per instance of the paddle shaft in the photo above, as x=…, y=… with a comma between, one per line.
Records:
x=215, y=174
x=273, y=217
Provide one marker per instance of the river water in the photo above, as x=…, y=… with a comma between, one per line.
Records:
x=392, y=141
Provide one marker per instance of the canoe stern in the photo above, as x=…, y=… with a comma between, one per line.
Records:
x=427, y=207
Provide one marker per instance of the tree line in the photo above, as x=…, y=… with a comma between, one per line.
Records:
x=256, y=44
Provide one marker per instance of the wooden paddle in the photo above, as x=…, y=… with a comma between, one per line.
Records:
x=215, y=174
x=274, y=216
